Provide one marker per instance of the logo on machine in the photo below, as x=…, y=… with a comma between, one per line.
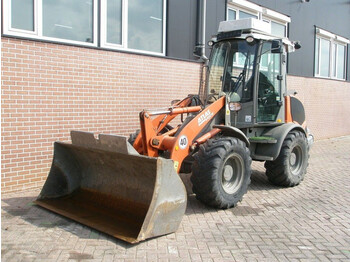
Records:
x=205, y=117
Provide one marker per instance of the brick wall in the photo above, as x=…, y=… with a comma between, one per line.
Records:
x=49, y=89
x=327, y=105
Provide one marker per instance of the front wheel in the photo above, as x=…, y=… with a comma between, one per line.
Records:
x=221, y=172
x=290, y=166
x=133, y=137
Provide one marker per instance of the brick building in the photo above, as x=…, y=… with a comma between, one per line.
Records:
x=93, y=65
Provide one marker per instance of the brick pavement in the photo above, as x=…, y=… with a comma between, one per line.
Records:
x=310, y=222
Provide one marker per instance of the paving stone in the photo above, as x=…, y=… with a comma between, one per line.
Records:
x=309, y=222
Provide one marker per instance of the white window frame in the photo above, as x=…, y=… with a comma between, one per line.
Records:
x=334, y=74
x=262, y=13
x=269, y=20
x=245, y=5
x=238, y=10
x=248, y=12
x=124, y=44
x=103, y=16
x=232, y=9
x=7, y=18
x=38, y=28
x=334, y=40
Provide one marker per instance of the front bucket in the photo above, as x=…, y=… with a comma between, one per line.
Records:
x=103, y=183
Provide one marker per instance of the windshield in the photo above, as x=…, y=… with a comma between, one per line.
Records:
x=231, y=68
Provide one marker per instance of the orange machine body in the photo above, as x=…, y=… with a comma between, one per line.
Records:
x=288, y=113
x=152, y=140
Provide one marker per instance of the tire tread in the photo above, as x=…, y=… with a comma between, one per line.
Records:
x=277, y=170
x=206, y=168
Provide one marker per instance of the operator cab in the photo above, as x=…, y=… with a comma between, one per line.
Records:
x=248, y=64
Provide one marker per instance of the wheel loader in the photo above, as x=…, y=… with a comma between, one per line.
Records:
x=130, y=188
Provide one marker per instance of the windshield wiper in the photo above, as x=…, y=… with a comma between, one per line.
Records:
x=241, y=75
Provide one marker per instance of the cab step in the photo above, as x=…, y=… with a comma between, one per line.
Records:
x=262, y=140
x=262, y=158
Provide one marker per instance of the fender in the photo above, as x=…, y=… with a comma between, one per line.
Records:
x=279, y=133
x=233, y=132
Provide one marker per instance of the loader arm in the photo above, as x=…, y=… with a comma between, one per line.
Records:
x=178, y=144
x=158, y=123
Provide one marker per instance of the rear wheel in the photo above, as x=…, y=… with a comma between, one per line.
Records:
x=290, y=166
x=221, y=172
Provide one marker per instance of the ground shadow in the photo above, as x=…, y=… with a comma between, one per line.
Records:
x=24, y=208
x=259, y=182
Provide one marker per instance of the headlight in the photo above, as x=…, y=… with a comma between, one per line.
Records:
x=249, y=39
x=235, y=106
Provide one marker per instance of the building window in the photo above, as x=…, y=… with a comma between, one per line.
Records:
x=278, y=29
x=240, y=9
x=125, y=24
x=330, y=55
x=66, y=19
x=145, y=25
x=55, y=20
x=243, y=15
x=236, y=13
x=339, y=68
x=114, y=21
x=231, y=14
x=22, y=14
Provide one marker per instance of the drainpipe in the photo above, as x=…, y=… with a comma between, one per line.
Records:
x=199, y=50
x=200, y=29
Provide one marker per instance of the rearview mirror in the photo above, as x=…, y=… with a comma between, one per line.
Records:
x=297, y=45
x=276, y=47
x=175, y=102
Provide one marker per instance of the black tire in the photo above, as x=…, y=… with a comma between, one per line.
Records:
x=290, y=166
x=221, y=172
x=133, y=136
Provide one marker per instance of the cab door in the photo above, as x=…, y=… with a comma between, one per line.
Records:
x=269, y=86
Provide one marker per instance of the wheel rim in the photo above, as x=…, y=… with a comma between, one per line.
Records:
x=232, y=173
x=296, y=160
